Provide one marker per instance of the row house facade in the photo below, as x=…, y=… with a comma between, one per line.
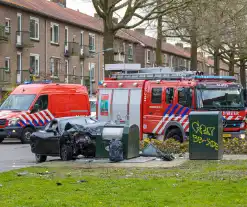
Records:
x=36, y=46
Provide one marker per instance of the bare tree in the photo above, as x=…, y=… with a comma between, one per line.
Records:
x=188, y=24
x=137, y=10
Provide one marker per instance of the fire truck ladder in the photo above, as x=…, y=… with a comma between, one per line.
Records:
x=169, y=76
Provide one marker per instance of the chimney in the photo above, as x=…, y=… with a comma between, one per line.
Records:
x=140, y=31
x=179, y=45
x=187, y=49
x=96, y=16
x=62, y=3
x=115, y=20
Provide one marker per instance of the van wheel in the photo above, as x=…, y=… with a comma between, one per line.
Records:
x=26, y=135
x=175, y=134
x=66, y=153
x=40, y=158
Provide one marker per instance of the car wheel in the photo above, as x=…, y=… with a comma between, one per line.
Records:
x=66, y=153
x=40, y=158
x=1, y=140
x=175, y=134
x=26, y=135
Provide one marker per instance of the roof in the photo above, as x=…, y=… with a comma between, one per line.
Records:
x=55, y=11
x=151, y=42
x=48, y=88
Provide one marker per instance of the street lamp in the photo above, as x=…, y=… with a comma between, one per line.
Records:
x=106, y=50
x=97, y=53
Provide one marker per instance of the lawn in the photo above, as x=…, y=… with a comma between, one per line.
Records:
x=196, y=183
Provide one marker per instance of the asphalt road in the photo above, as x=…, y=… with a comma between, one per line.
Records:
x=14, y=155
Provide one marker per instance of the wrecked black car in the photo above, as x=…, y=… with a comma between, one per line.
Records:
x=66, y=138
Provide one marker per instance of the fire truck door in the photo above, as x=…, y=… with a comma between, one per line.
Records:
x=156, y=102
x=120, y=104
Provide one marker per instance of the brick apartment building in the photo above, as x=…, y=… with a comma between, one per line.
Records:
x=61, y=44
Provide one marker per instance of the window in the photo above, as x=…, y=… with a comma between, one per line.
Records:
x=34, y=28
x=156, y=95
x=55, y=66
x=91, y=42
x=41, y=104
x=66, y=36
x=7, y=25
x=82, y=73
x=130, y=52
x=7, y=64
x=92, y=69
x=19, y=67
x=185, y=97
x=148, y=56
x=169, y=95
x=34, y=63
x=74, y=70
x=19, y=22
x=66, y=72
x=54, y=33
x=81, y=39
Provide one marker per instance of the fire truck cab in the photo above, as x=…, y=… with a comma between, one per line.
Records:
x=160, y=103
x=32, y=106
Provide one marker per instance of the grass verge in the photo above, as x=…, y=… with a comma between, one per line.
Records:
x=196, y=183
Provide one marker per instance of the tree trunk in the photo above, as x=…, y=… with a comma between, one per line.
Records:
x=216, y=61
x=159, y=43
x=108, y=42
x=194, y=51
x=231, y=64
x=243, y=73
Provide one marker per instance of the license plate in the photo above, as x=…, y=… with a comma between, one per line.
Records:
x=227, y=135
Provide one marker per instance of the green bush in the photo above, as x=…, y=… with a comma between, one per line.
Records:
x=231, y=146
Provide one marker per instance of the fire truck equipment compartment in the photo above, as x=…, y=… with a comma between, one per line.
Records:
x=129, y=135
x=206, y=136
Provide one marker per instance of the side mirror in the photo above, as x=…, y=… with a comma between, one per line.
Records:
x=35, y=108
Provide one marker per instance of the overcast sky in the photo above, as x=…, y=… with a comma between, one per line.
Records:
x=85, y=6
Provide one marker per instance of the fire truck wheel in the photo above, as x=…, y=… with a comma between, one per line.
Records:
x=26, y=134
x=175, y=134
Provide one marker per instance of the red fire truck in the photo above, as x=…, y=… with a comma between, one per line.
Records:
x=160, y=103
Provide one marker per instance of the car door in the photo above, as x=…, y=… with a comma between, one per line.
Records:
x=51, y=141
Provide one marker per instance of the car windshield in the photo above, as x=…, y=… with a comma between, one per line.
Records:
x=93, y=106
x=19, y=102
x=220, y=99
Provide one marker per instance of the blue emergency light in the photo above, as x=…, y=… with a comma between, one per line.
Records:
x=100, y=83
x=38, y=82
x=211, y=77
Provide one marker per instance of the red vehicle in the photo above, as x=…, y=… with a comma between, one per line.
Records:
x=160, y=103
x=31, y=106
